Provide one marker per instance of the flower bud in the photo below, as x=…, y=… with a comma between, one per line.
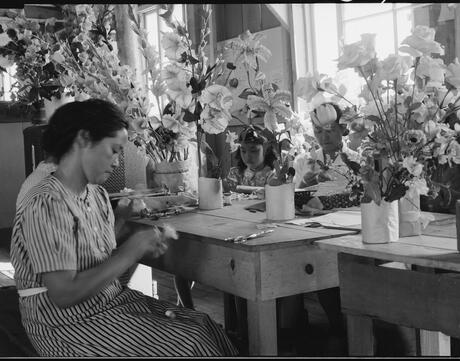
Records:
x=324, y=115
x=233, y=82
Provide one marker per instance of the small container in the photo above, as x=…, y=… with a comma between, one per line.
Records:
x=227, y=198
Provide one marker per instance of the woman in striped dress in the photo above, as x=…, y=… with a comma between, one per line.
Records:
x=66, y=264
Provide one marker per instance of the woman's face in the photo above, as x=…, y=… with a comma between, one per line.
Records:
x=252, y=154
x=329, y=139
x=99, y=159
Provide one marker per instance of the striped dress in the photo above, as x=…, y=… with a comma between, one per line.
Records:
x=56, y=230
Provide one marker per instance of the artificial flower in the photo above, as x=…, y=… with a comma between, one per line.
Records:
x=214, y=121
x=217, y=97
x=173, y=45
x=404, y=118
x=433, y=70
x=421, y=42
x=358, y=53
x=231, y=138
x=324, y=116
x=395, y=67
x=249, y=49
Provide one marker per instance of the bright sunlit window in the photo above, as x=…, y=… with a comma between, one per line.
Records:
x=335, y=23
x=154, y=25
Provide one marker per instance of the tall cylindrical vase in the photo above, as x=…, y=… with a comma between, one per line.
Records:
x=210, y=193
x=379, y=223
x=279, y=202
x=409, y=215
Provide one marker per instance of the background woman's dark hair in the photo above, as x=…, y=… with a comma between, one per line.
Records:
x=99, y=117
x=269, y=158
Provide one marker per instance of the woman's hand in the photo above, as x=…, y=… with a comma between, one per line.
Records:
x=312, y=178
x=147, y=241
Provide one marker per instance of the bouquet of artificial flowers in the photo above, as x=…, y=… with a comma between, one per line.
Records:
x=406, y=111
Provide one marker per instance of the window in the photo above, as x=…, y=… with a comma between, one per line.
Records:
x=154, y=25
x=346, y=22
x=318, y=29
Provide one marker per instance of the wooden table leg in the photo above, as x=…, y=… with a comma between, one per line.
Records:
x=360, y=335
x=262, y=328
x=433, y=343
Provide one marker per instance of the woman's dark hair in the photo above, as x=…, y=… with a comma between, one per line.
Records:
x=269, y=158
x=99, y=117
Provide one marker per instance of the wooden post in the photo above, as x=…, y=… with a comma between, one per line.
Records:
x=432, y=343
x=361, y=341
x=458, y=223
x=262, y=328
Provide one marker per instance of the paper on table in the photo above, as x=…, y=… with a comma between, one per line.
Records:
x=339, y=218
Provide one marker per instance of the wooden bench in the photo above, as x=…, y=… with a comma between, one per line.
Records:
x=422, y=298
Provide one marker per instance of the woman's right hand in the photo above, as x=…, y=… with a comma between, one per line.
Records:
x=147, y=242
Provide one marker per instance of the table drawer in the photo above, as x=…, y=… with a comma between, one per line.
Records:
x=298, y=269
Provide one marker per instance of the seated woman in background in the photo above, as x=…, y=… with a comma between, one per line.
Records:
x=448, y=177
x=326, y=166
x=66, y=265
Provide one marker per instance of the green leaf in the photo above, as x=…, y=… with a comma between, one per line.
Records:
x=245, y=93
x=374, y=118
x=415, y=106
x=189, y=117
x=193, y=60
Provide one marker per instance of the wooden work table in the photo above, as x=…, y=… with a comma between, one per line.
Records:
x=283, y=263
x=421, y=291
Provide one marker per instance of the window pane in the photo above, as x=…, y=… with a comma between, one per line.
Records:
x=405, y=22
x=402, y=5
x=351, y=11
x=151, y=25
x=381, y=25
x=326, y=37
x=178, y=14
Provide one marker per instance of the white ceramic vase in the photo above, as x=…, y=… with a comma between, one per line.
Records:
x=210, y=193
x=409, y=215
x=279, y=202
x=380, y=223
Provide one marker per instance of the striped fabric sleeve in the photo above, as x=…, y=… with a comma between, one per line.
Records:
x=49, y=236
x=108, y=211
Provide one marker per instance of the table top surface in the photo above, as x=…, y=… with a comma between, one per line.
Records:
x=216, y=225
x=435, y=248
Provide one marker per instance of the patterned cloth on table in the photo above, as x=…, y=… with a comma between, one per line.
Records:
x=55, y=230
x=332, y=193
